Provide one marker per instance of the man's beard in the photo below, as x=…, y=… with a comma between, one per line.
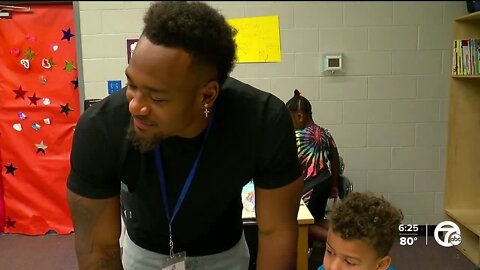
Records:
x=143, y=144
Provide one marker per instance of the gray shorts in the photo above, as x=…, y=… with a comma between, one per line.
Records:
x=137, y=258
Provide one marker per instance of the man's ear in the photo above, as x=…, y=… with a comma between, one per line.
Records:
x=384, y=263
x=209, y=93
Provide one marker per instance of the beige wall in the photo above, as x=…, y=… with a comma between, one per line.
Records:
x=388, y=111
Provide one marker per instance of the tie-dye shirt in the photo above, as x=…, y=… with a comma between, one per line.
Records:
x=314, y=144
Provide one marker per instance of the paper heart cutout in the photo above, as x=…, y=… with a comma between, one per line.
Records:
x=25, y=63
x=15, y=52
x=54, y=47
x=22, y=116
x=31, y=38
x=46, y=64
x=46, y=101
x=17, y=127
x=46, y=121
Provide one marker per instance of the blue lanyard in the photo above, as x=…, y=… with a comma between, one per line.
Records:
x=186, y=186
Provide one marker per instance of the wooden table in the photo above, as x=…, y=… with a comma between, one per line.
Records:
x=304, y=219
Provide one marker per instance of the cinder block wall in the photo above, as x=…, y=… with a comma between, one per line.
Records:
x=388, y=111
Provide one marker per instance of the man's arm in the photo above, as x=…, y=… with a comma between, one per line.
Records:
x=97, y=231
x=276, y=213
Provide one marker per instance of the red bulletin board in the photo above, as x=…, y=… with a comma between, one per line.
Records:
x=39, y=107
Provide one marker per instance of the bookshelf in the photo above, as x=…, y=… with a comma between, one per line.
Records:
x=462, y=183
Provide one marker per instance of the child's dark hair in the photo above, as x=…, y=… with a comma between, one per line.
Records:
x=299, y=103
x=371, y=219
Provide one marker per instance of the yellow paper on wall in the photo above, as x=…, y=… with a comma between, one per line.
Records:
x=258, y=39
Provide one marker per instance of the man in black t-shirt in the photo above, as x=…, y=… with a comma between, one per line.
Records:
x=174, y=148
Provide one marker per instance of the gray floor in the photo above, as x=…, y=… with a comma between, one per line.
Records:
x=431, y=256
x=54, y=252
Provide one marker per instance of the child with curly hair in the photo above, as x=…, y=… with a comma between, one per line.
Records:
x=362, y=231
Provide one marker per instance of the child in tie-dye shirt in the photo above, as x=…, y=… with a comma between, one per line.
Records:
x=319, y=157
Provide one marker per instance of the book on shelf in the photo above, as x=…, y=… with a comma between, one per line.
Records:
x=465, y=57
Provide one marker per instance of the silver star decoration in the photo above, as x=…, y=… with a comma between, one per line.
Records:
x=41, y=147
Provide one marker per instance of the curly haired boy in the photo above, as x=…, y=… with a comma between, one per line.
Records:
x=362, y=231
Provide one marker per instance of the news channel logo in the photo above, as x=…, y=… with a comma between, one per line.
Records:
x=447, y=234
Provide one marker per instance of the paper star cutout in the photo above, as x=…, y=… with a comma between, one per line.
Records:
x=75, y=83
x=29, y=54
x=69, y=66
x=10, y=169
x=19, y=93
x=34, y=99
x=10, y=223
x=41, y=147
x=65, y=109
x=67, y=34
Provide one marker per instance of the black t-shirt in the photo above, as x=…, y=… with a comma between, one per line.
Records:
x=252, y=137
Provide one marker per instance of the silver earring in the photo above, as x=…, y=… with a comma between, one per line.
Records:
x=206, y=111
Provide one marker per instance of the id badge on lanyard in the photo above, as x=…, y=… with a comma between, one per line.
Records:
x=176, y=261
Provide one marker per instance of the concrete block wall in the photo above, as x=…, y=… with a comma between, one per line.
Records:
x=388, y=109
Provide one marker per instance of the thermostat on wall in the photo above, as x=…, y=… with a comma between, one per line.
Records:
x=333, y=62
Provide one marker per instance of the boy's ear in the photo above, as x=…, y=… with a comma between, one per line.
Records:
x=384, y=263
